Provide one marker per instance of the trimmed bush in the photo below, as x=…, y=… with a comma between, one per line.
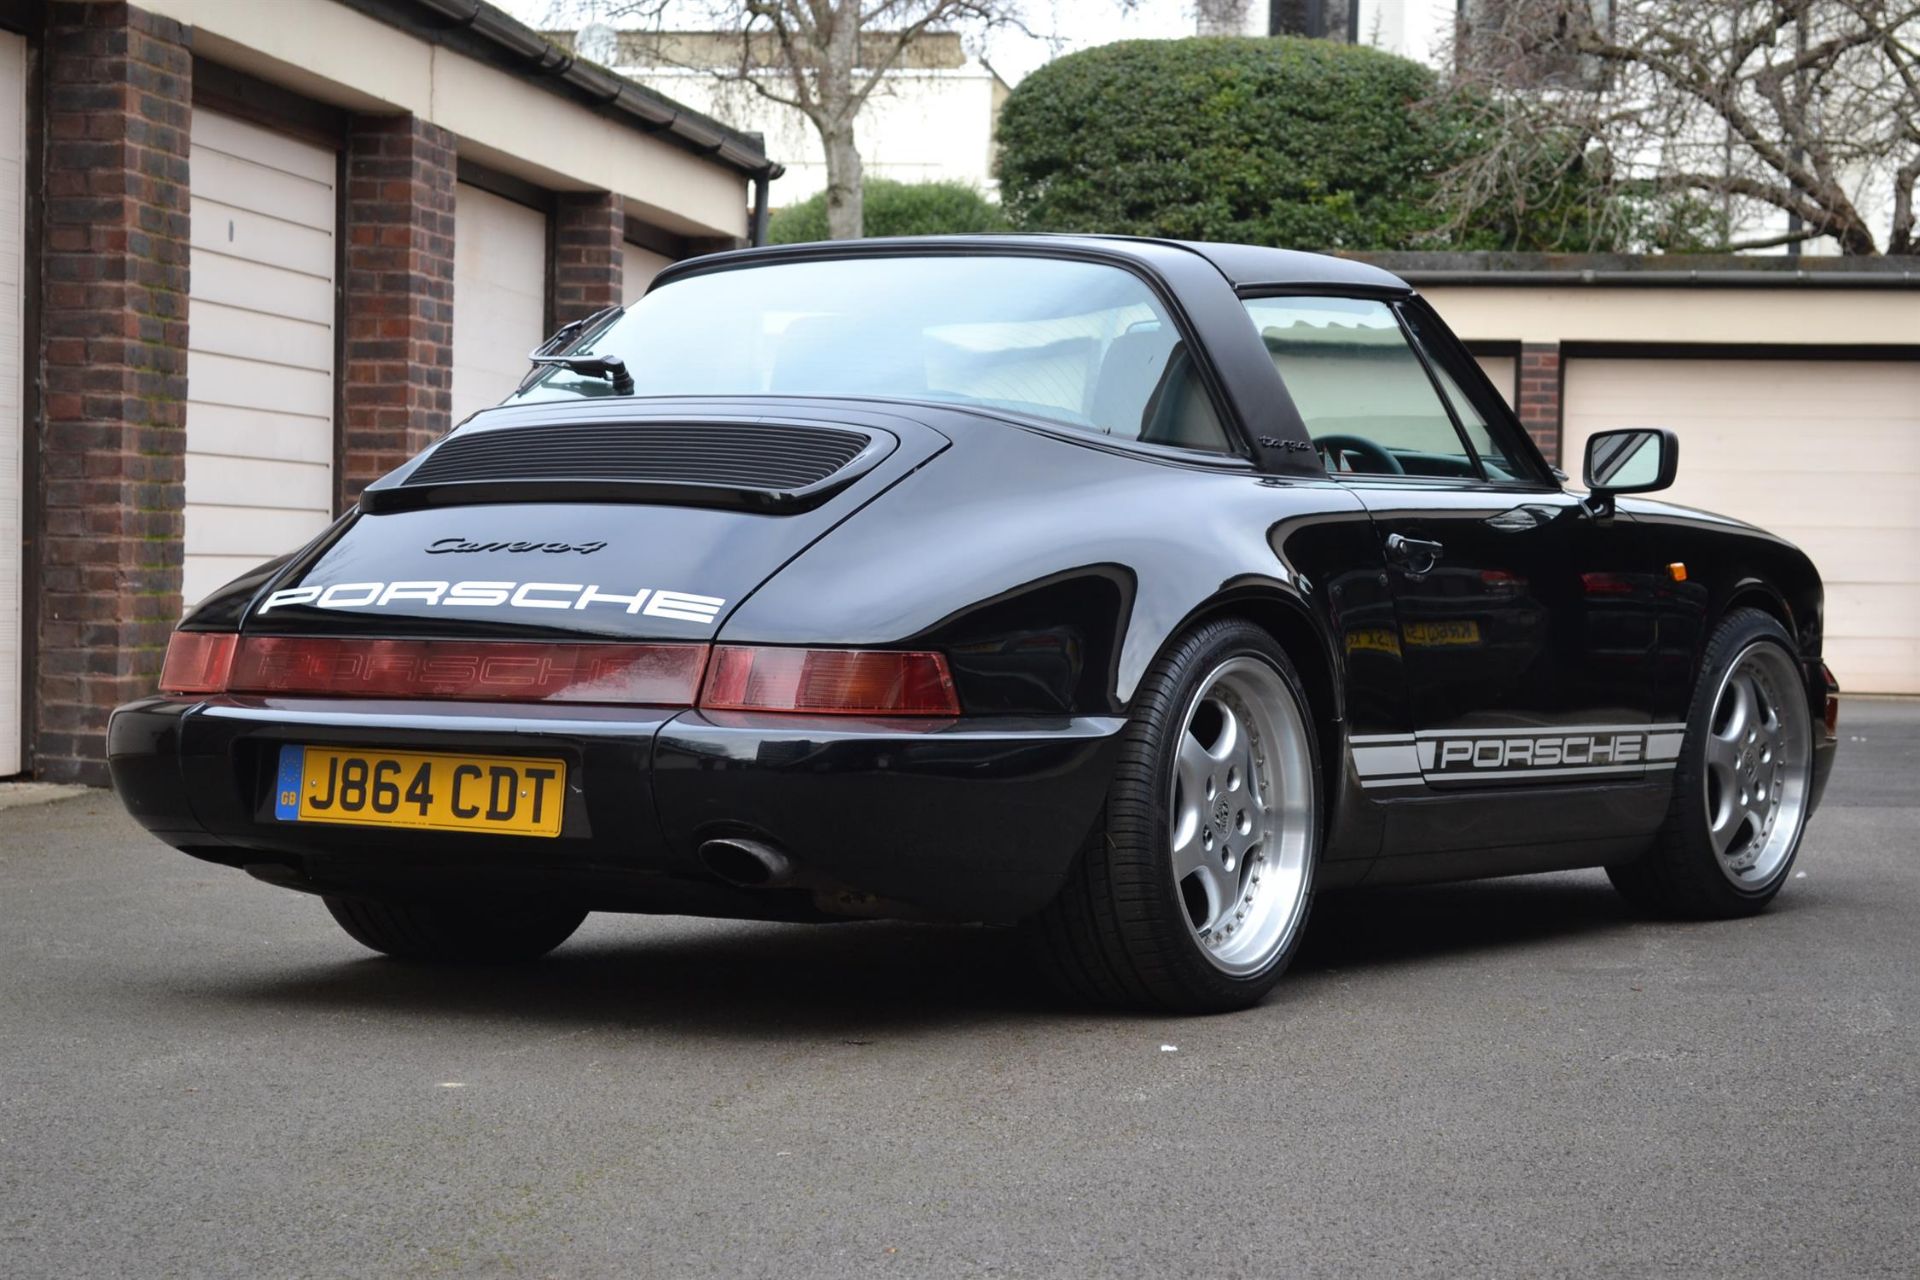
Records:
x=1302, y=143
x=895, y=209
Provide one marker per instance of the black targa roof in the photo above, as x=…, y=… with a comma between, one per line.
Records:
x=1244, y=266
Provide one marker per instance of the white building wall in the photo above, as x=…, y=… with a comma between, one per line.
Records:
x=919, y=126
x=1417, y=29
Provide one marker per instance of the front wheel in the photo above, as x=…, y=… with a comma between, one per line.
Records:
x=457, y=933
x=1744, y=782
x=1192, y=892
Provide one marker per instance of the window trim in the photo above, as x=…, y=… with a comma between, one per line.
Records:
x=1501, y=423
x=1446, y=402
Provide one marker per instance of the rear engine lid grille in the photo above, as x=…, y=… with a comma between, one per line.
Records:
x=772, y=466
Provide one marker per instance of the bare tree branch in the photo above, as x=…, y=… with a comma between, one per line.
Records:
x=1807, y=107
x=821, y=58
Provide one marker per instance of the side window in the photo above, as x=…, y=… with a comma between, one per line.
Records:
x=1363, y=394
x=1495, y=455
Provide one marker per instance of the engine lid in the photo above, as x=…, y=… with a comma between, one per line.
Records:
x=550, y=530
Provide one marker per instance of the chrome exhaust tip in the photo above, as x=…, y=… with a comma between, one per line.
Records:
x=748, y=863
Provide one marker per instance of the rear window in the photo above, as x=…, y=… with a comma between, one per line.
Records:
x=1079, y=344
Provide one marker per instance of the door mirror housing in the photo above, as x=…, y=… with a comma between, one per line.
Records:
x=1634, y=460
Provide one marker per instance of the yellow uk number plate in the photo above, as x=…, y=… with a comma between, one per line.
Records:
x=504, y=795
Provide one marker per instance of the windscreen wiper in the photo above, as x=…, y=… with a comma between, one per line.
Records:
x=569, y=335
x=612, y=368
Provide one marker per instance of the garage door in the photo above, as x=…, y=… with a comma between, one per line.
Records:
x=13, y=145
x=499, y=295
x=259, y=348
x=639, y=267
x=1826, y=453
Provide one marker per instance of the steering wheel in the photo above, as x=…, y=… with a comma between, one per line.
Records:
x=1381, y=462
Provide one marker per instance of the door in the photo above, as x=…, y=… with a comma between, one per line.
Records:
x=260, y=317
x=499, y=295
x=1524, y=632
x=1825, y=453
x=13, y=144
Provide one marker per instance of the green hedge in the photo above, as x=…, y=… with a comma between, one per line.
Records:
x=1304, y=143
x=895, y=209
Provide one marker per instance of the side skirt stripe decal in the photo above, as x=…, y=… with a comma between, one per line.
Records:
x=1567, y=751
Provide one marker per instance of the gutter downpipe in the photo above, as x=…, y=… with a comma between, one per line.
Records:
x=757, y=232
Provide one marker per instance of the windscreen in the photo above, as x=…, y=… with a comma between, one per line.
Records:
x=1080, y=344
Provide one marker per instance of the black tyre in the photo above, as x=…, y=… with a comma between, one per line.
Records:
x=1743, y=784
x=1193, y=889
x=457, y=933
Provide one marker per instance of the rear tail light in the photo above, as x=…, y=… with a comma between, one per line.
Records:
x=197, y=662
x=852, y=682
x=496, y=671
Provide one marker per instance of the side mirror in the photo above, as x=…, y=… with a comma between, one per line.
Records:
x=1636, y=460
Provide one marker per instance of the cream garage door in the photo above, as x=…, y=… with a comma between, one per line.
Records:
x=638, y=267
x=13, y=147
x=1825, y=453
x=499, y=295
x=259, y=348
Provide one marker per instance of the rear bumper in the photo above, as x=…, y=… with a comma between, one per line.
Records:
x=969, y=820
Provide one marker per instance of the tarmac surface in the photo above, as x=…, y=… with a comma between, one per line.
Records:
x=201, y=1076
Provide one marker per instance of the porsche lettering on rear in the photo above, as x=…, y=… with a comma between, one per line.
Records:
x=653, y=602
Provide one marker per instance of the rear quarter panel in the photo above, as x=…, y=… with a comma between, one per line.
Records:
x=1052, y=572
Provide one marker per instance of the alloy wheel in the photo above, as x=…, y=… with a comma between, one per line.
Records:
x=1242, y=810
x=1758, y=765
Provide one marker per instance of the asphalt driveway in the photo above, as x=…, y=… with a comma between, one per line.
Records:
x=199, y=1075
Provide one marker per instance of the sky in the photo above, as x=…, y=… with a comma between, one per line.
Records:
x=1059, y=26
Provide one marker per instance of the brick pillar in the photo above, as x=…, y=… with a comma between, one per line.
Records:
x=1539, y=405
x=396, y=383
x=589, y=251
x=113, y=326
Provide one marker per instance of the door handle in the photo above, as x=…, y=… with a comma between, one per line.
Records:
x=1416, y=555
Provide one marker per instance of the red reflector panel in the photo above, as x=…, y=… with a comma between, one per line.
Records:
x=846, y=682
x=494, y=671
x=197, y=662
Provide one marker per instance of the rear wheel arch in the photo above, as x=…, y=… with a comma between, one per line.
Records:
x=1288, y=621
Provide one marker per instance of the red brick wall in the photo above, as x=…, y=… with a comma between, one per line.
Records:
x=397, y=376
x=589, y=250
x=1539, y=404
x=113, y=322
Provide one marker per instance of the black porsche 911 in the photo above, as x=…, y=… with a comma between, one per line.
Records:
x=1128, y=591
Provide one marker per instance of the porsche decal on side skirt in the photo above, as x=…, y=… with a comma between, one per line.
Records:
x=1514, y=755
x=651, y=601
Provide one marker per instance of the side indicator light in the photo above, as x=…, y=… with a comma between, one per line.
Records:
x=197, y=662
x=1677, y=571
x=844, y=682
x=1833, y=701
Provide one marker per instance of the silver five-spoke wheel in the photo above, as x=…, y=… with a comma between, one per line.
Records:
x=1758, y=751
x=1242, y=815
